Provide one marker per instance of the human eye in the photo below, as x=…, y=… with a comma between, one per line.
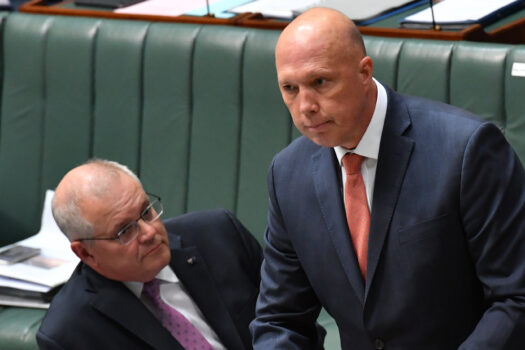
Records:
x=127, y=231
x=320, y=81
x=288, y=88
x=147, y=214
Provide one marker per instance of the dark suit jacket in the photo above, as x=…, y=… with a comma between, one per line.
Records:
x=222, y=277
x=446, y=258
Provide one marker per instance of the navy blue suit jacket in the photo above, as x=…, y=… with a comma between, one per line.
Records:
x=93, y=312
x=446, y=258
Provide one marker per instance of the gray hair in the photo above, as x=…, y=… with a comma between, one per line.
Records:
x=113, y=166
x=70, y=220
x=68, y=215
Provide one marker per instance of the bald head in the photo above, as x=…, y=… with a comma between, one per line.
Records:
x=323, y=29
x=89, y=181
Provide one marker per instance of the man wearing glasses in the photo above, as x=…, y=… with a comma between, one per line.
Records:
x=188, y=283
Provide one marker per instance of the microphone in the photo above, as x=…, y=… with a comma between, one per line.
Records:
x=208, y=14
x=434, y=26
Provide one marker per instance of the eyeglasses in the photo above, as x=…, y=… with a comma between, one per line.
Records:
x=129, y=232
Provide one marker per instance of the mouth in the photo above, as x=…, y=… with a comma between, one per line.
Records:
x=318, y=126
x=154, y=249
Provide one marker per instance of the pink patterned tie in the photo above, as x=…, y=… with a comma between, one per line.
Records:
x=182, y=329
x=357, y=213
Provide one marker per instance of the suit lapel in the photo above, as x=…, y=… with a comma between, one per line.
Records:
x=328, y=190
x=117, y=302
x=394, y=155
x=191, y=269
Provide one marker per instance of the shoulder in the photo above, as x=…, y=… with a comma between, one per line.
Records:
x=209, y=228
x=431, y=121
x=200, y=222
x=429, y=112
x=294, y=159
x=75, y=292
x=299, y=148
x=221, y=239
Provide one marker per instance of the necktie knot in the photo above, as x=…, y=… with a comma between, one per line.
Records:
x=352, y=163
x=152, y=288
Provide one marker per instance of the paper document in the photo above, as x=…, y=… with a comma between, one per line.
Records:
x=11, y=300
x=275, y=8
x=165, y=7
x=218, y=9
x=52, y=267
x=460, y=11
x=23, y=285
x=356, y=10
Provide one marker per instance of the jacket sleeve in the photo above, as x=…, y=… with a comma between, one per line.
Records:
x=46, y=343
x=492, y=205
x=287, y=307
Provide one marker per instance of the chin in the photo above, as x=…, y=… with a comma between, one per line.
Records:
x=155, y=269
x=158, y=259
x=323, y=142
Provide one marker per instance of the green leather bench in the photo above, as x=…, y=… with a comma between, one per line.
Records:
x=194, y=110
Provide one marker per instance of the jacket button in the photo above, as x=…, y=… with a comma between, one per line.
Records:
x=379, y=344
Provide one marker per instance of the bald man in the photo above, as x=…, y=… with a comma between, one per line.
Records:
x=203, y=266
x=404, y=218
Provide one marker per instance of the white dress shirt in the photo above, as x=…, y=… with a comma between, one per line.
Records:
x=368, y=146
x=175, y=295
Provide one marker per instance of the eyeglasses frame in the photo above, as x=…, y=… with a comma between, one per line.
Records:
x=134, y=222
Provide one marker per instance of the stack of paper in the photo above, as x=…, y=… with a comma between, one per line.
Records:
x=275, y=8
x=172, y=8
x=356, y=10
x=34, y=281
x=285, y=9
x=458, y=14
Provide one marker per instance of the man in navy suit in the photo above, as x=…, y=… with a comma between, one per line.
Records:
x=207, y=265
x=443, y=263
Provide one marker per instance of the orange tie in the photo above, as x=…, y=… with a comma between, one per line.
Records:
x=357, y=213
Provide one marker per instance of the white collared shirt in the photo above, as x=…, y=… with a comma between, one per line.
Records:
x=368, y=146
x=175, y=295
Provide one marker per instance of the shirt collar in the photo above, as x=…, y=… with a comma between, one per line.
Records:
x=368, y=146
x=166, y=274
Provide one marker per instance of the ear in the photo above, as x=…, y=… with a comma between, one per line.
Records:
x=366, y=68
x=83, y=251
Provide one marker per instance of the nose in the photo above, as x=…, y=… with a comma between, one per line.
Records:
x=307, y=102
x=147, y=230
